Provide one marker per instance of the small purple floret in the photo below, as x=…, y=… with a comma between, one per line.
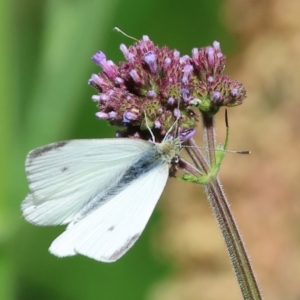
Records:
x=157, y=124
x=210, y=79
x=185, y=93
x=234, y=92
x=151, y=94
x=112, y=115
x=129, y=116
x=119, y=80
x=171, y=101
x=130, y=57
x=96, y=98
x=216, y=97
x=102, y=115
x=210, y=51
x=176, y=54
x=124, y=50
x=95, y=80
x=137, y=135
x=187, y=134
x=98, y=57
x=195, y=53
x=216, y=45
x=104, y=97
x=184, y=59
x=107, y=65
x=167, y=62
x=127, y=54
x=187, y=70
x=151, y=60
x=134, y=75
x=177, y=113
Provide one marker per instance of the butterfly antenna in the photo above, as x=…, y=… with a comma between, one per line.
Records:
x=171, y=128
x=227, y=138
x=120, y=31
x=148, y=127
x=178, y=117
x=226, y=141
x=174, y=124
x=227, y=130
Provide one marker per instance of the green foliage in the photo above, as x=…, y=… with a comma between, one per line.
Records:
x=46, y=48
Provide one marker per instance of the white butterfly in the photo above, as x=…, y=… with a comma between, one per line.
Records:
x=105, y=189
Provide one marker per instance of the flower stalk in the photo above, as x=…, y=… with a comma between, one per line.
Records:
x=232, y=237
x=234, y=242
x=209, y=137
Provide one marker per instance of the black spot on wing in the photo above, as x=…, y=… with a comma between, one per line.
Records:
x=42, y=150
x=120, y=252
x=64, y=169
x=111, y=228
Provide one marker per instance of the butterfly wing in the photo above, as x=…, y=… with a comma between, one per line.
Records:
x=110, y=231
x=64, y=177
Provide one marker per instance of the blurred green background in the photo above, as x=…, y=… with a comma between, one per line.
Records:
x=45, y=53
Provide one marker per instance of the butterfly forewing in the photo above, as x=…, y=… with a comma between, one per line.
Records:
x=63, y=177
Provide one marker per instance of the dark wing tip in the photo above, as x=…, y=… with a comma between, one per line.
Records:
x=42, y=150
x=120, y=252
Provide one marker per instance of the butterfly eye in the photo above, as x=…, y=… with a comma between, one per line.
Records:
x=175, y=160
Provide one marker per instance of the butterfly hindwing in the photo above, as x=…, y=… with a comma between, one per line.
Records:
x=111, y=230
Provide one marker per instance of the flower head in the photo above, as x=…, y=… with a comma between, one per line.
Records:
x=156, y=87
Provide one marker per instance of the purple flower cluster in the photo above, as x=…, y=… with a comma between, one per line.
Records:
x=156, y=87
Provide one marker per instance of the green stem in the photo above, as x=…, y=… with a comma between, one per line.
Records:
x=223, y=214
x=233, y=240
x=209, y=137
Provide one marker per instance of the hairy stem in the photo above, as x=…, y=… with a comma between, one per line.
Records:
x=233, y=240
x=209, y=137
x=223, y=214
x=188, y=168
x=196, y=156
